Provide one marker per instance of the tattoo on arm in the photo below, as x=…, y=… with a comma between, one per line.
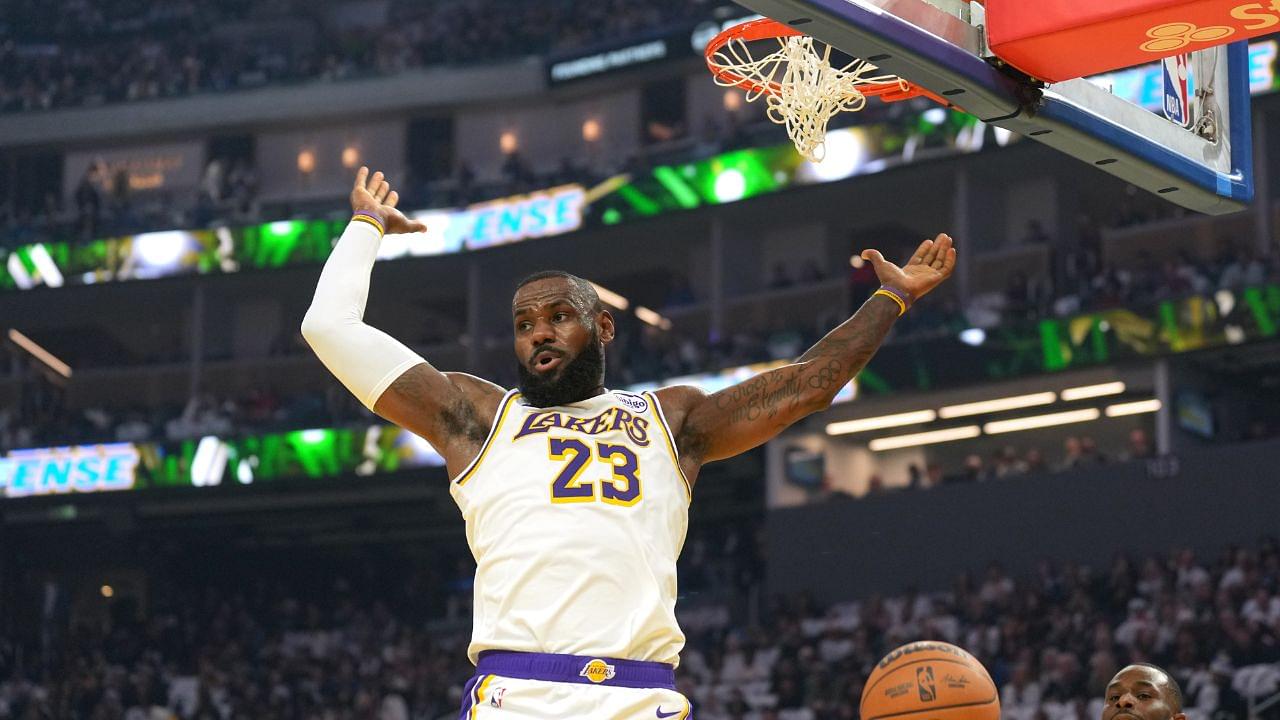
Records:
x=755, y=401
x=757, y=409
x=822, y=370
x=846, y=350
x=761, y=396
x=458, y=419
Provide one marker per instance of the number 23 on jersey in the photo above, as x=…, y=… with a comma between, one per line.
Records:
x=622, y=487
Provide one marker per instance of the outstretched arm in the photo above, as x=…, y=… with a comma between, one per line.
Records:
x=738, y=418
x=451, y=410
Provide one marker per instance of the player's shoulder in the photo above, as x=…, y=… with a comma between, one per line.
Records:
x=483, y=396
x=467, y=381
x=677, y=399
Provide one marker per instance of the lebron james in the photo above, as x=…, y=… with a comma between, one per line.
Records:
x=576, y=496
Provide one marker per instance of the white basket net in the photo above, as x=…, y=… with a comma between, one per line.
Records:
x=806, y=90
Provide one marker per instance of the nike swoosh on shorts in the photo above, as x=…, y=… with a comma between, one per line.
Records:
x=667, y=715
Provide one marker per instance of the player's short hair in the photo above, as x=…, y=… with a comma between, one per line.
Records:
x=581, y=287
x=1174, y=688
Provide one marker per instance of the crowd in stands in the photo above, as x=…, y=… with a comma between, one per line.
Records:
x=1081, y=280
x=1051, y=639
x=103, y=204
x=364, y=648
x=384, y=640
x=45, y=422
x=1078, y=451
x=94, y=52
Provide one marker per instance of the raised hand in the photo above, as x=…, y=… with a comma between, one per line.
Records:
x=931, y=263
x=374, y=195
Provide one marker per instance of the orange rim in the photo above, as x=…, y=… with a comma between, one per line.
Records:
x=766, y=28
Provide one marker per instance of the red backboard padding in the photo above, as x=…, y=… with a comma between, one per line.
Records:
x=1057, y=40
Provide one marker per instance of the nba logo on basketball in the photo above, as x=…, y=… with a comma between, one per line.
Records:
x=924, y=681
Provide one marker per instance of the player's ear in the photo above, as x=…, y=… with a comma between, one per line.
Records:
x=607, y=327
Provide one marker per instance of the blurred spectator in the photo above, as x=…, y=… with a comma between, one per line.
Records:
x=1073, y=454
x=1139, y=445
x=88, y=203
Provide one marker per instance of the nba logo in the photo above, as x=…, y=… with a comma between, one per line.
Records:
x=1177, y=98
x=924, y=681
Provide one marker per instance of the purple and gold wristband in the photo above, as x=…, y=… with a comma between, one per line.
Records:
x=373, y=219
x=901, y=297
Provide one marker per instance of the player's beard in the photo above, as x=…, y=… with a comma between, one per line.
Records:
x=576, y=381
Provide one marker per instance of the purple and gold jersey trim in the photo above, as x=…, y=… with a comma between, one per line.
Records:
x=576, y=669
x=671, y=443
x=498, y=417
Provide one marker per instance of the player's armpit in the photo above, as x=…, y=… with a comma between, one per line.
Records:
x=453, y=411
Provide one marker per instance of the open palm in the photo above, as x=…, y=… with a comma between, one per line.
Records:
x=374, y=195
x=929, y=265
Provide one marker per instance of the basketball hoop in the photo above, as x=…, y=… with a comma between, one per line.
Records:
x=801, y=88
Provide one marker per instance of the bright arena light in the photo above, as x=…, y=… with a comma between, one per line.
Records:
x=973, y=337
x=508, y=142
x=306, y=161
x=1134, y=408
x=209, y=462
x=1041, y=421
x=997, y=405
x=932, y=437
x=610, y=297
x=881, y=421
x=846, y=150
x=730, y=185
x=314, y=436
x=160, y=250
x=1092, y=391
x=935, y=115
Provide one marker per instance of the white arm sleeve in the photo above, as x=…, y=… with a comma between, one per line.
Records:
x=365, y=359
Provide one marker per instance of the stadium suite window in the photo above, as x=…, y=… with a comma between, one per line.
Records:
x=663, y=111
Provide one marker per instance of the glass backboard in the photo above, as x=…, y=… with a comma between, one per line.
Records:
x=1198, y=155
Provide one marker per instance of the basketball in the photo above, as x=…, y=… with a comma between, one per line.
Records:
x=930, y=680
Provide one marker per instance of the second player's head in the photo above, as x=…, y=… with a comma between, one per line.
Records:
x=561, y=329
x=1143, y=692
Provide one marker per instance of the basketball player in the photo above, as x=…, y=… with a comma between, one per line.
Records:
x=576, y=496
x=1145, y=692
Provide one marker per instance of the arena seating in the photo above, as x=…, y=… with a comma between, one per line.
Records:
x=344, y=648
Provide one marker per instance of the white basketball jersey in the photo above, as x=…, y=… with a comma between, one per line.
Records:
x=576, y=515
